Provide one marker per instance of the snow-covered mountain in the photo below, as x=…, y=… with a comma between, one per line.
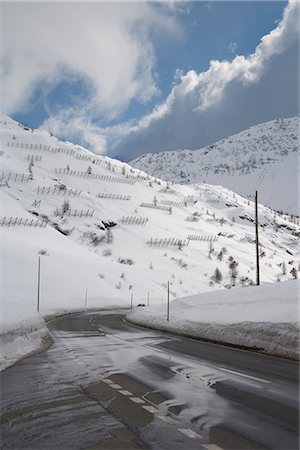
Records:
x=100, y=225
x=263, y=158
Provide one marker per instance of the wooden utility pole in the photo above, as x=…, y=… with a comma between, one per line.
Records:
x=168, y=303
x=256, y=240
x=39, y=284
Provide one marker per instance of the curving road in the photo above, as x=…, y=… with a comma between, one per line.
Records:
x=106, y=384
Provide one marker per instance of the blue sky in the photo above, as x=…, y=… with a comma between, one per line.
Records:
x=101, y=74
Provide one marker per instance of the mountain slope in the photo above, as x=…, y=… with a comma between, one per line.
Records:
x=264, y=158
x=100, y=225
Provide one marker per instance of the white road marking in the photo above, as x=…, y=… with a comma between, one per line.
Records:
x=246, y=376
x=137, y=400
x=107, y=381
x=150, y=409
x=211, y=447
x=115, y=386
x=167, y=419
x=189, y=433
x=124, y=392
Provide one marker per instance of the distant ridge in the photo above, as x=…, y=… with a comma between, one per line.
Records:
x=264, y=157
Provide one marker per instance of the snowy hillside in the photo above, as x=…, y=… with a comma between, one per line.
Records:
x=98, y=224
x=264, y=158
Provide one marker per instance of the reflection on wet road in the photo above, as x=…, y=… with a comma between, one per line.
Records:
x=105, y=384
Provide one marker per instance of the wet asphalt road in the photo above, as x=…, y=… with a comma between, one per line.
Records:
x=105, y=384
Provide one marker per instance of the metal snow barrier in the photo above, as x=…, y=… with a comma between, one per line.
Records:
x=137, y=177
x=46, y=148
x=14, y=177
x=89, y=158
x=114, y=196
x=77, y=173
x=212, y=200
x=36, y=203
x=155, y=206
x=18, y=221
x=128, y=179
x=168, y=242
x=56, y=190
x=134, y=220
x=34, y=158
x=75, y=213
x=201, y=237
x=173, y=203
x=190, y=199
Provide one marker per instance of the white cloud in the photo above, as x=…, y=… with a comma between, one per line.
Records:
x=78, y=127
x=199, y=97
x=106, y=44
x=208, y=87
x=109, y=47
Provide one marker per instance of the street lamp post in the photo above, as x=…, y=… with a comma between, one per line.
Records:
x=86, y=297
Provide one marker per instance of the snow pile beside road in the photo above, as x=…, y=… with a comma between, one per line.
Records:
x=30, y=335
x=260, y=317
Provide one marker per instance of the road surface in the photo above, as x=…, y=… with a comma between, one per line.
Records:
x=106, y=384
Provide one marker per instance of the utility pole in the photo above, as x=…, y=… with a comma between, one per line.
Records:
x=256, y=241
x=148, y=299
x=131, y=301
x=168, y=303
x=39, y=284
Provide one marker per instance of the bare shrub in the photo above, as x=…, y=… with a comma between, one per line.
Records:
x=128, y=261
x=65, y=206
x=217, y=277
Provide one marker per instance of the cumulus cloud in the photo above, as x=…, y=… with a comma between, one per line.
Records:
x=106, y=44
x=228, y=97
x=78, y=127
x=109, y=48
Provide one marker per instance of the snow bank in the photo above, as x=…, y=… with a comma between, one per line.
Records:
x=263, y=317
x=30, y=335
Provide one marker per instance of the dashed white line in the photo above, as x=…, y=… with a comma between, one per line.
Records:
x=124, y=392
x=150, y=409
x=137, y=400
x=189, y=433
x=107, y=381
x=115, y=386
x=167, y=419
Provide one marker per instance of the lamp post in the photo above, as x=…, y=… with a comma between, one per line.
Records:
x=86, y=297
x=42, y=252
